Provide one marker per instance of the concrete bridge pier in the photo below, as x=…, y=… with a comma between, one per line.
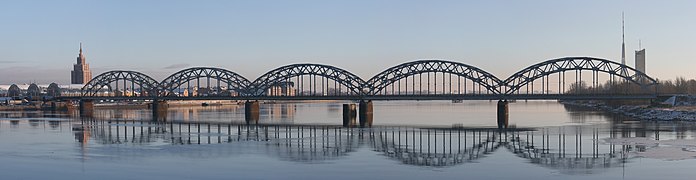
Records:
x=251, y=112
x=503, y=114
x=349, y=114
x=159, y=110
x=61, y=105
x=86, y=108
x=365, y=113
x=70, y=106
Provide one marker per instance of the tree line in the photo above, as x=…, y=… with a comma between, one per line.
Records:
x=680, y=85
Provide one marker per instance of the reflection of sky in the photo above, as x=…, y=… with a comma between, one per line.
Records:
x=41, y=146
x=46, y=147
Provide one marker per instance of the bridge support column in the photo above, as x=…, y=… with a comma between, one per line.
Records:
x=86, y=108
x=503, y=114
x=58, y=106
x=251, y=112
x=365, y=114
x=159, y=110
x=70, y=106
x=349, y=114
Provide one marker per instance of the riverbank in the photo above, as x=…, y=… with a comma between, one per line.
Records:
x=20, y=108
x=61, y=106
x=642, y=112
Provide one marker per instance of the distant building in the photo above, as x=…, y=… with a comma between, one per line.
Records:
x=33, y=91
x=53, y=90
x=14, y=91
x=282, y=89
x=39, y=90
x=193, y=92
x=640, y=60
x=185, y=93
x=80, y=73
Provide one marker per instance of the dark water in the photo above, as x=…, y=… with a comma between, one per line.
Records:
x=409, y=140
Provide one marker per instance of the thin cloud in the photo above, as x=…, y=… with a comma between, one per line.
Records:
x=177, y=66
x=7, y=62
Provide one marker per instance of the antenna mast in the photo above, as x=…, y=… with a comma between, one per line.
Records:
x=623, y=41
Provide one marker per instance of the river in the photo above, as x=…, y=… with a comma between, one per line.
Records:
x=408, y=140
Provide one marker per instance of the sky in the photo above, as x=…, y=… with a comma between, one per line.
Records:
x=39, y=40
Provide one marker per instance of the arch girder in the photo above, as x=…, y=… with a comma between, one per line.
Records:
x=281, y=74
x=387, y=77
x=233, y=80
x=533, y=72
x=144, y=82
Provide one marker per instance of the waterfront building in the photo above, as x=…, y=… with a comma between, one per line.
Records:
x=53, y=90
x=5, y=100
x=33, y=91
x=80, y=73
x=13, y=91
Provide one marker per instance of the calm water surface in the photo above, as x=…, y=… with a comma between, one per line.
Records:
x=409, y=140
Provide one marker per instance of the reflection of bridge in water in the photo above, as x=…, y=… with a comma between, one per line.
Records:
x=570, y=149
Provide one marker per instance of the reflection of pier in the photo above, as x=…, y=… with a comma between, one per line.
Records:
x=568, y=149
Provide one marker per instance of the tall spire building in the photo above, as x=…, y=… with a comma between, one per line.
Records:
x=80, y=73
x=623, y=41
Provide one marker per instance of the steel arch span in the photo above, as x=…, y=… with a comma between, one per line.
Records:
x=515, y=82
x=352, y=82
x=235, y=83
x=146, y=85
x=378, y=83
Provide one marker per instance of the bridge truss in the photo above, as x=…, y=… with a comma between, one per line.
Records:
x=563, y=78
x=224, y=82
x=309, y=80
x=451, y=78
x=121, y=83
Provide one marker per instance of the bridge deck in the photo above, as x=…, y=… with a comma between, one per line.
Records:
x=382, y=97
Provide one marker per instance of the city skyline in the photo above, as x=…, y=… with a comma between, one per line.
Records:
x=362, y=37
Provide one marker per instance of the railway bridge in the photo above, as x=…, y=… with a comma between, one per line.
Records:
x=569, y=78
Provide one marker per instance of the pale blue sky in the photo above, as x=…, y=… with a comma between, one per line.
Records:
x=40, y=39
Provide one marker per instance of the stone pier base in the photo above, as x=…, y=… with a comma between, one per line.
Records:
x=365, y=114
x=251, y=112
x=503, y=114
x=86, y=108
x=159, y=110
x=349, y=115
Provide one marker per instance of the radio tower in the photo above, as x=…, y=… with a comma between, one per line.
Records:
x=623, y=41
